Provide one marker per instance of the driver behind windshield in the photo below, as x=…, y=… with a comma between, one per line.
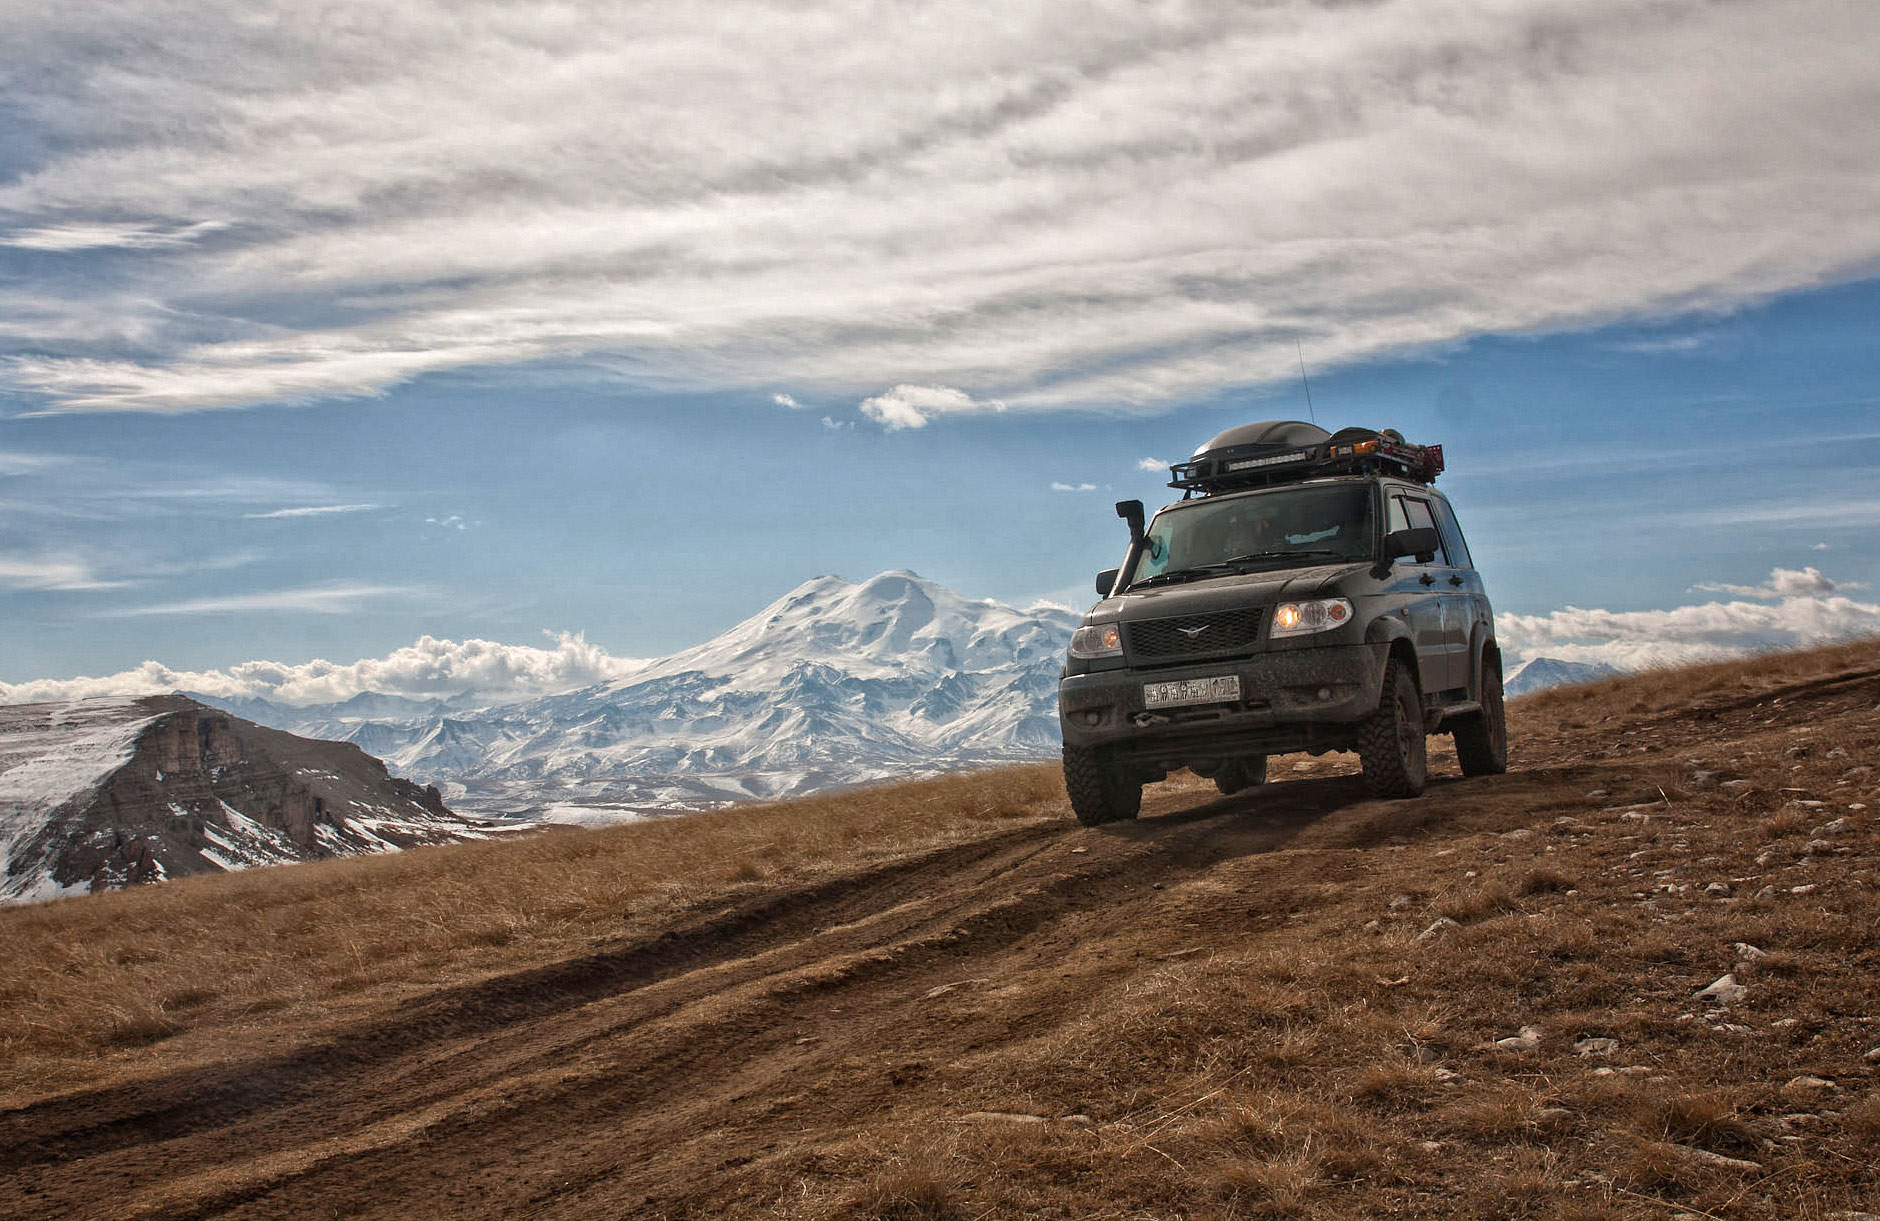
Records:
x=1277, y=529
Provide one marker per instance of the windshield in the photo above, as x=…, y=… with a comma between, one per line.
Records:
x=1283, y=528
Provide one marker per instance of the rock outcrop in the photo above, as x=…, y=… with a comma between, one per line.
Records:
x=102, y=793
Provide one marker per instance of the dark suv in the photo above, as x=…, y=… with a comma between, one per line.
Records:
x=1310, y=592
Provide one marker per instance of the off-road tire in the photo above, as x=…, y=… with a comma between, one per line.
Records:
x=1100, y=790
x=1482, y=737
x=1390, y=740
x=1241, y=774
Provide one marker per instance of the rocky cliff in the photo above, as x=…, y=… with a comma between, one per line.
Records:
x=102, y=793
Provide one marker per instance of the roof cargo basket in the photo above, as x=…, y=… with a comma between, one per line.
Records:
x=1283, y=451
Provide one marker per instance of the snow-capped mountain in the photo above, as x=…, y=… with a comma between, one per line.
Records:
x=111, y=792
x=834, y=683
x=1541, y=673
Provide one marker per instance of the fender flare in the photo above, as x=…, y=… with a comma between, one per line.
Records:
x=1483, y=641
x=1388, y=630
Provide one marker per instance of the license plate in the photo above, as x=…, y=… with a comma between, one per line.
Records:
x=1221, y=689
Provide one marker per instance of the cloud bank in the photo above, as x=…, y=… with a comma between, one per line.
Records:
x=430, y=667
x=424, y=669
x=1106, y=204
x=1794, y=609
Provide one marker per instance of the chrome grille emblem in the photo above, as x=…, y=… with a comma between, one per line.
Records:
x=1192, y=632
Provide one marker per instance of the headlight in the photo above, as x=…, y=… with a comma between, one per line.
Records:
x=1304, y=618
x=1097, y=640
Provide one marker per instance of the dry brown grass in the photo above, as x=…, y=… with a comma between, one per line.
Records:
x=1695, y=689
x=1310, y=1058
x=922, y=1187
x=1479, y=903
x=236, y=958
x=1545, y=881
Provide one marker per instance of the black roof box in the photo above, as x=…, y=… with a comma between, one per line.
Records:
x=1272, y=435
x=1279, y=451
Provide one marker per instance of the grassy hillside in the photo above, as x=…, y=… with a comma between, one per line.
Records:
x=945, y=999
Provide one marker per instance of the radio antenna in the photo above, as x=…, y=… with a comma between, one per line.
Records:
x=1302, y=377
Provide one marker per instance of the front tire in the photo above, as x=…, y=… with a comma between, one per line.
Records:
x=1482, y=739
x=1390, y=741
x=1241, y=774
x=1100, y=790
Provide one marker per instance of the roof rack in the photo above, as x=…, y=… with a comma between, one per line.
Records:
x=1284, y=451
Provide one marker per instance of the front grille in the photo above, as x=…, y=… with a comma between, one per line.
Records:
x=1194, y=635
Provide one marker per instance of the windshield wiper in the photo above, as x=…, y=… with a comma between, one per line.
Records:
x=1255, y=556
x=1184, y=574
x=1234, y=565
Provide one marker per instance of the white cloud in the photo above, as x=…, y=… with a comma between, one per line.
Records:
x=1073, y=487
x=452, y=522
x=18, y=463
x=835, y=424
x=312, y=511
x=313, y=600
x=93, y=235
x=1109, y=206
x=1782, y=583
x=1152, y=464
x=1833, y=510
x=47, y=573
x=1805, y=611
x=1821, y=547
x=1678, y=345
x=429, y=667
x=784, y=400
x=908, y=406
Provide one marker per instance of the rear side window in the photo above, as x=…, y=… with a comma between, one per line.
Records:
x=1414, y=514
x=1452, y=536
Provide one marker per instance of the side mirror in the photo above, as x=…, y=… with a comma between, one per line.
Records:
x=1422, y=542
x=1131, y=512
x=1106, y=581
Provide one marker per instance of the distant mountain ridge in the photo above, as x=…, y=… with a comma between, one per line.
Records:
x=101, y=793
x=1540, y=673
x=834, y=683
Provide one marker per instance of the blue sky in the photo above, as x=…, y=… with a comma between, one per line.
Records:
x=311, y=345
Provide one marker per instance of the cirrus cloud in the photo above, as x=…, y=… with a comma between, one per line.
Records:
x=1110, y=205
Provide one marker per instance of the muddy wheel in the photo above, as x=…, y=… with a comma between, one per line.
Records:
x=1100, y=790
x=1390, y=742
x=1482, y=737
x=1241, y=774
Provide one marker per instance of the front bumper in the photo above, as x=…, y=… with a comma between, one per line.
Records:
x=1294, y=699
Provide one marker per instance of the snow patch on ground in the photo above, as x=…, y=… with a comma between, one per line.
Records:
x=50, y=754
x=247, y=843
x=569, y=814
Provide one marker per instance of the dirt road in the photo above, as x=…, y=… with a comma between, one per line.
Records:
x=657, y=1077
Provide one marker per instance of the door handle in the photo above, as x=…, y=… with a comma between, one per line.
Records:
x=1426, y=579
x=1455, y=580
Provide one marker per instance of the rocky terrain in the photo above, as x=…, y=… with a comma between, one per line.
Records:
x=1631, y=978
x=835, y=683
x=103, y=793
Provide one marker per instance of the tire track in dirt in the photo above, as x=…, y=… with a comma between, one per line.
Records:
x=605, y=1043
x=848, y=934
x=697, y=1055
x=92, y=1122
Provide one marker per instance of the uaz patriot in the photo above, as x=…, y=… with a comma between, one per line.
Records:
x=1311, y=591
